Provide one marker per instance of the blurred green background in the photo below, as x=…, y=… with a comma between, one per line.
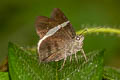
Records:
x=17, y=18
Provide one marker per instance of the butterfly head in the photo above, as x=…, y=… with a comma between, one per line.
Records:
x=79, y=38
x=78, y=41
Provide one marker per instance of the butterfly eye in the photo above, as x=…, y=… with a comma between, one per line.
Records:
x=77, y=38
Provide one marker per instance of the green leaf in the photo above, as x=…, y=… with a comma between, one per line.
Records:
x=111, y=73
x=24, y=65
x=92, y=70
x=4, y=76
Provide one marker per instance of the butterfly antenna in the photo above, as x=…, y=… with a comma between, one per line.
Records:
x=86, y=29
x=83, y=31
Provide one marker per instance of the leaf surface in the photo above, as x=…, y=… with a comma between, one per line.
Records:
x=25, y=65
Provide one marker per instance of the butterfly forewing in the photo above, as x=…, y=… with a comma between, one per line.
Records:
x=59, y=16
x=50, y=48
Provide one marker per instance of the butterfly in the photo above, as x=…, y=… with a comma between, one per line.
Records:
x=58, y=39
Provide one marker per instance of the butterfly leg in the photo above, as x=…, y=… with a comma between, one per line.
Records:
x=70, y=58
x=82, y=51
x=76, y=57
x=63, y=62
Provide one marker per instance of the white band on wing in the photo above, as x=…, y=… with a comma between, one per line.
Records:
x=51, y=32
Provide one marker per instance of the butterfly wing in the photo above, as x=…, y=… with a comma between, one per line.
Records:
x=53, y=44
x=59, y=16
x=43, y=25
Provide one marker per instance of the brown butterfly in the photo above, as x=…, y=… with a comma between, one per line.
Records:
x=58, y=39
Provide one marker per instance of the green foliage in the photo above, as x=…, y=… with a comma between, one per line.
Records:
x=111, y=73
x=4, y=76
x=24, y=65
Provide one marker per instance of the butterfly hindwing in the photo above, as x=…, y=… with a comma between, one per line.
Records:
x=43, y=25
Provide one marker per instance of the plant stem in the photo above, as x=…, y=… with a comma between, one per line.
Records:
x=101, y=30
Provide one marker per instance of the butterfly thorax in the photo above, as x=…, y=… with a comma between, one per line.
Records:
x=75, y=45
